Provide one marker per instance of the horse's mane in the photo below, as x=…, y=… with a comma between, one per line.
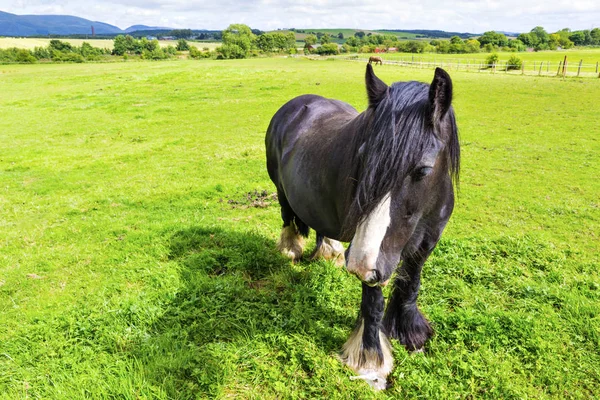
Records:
x=397, y=133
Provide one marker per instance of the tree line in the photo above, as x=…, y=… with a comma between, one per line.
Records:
x=491, y=41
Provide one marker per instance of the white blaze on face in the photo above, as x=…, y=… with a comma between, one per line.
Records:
x=366, y=243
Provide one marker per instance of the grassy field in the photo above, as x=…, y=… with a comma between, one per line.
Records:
x=547, y=61
x=31, y=43
x=138, y=238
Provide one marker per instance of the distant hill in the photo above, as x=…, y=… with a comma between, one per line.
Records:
x=134, y=28
x=40, y=25
x=429, y=34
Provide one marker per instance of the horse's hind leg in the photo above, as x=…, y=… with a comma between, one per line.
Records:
x=291, y=241
x=329, y=249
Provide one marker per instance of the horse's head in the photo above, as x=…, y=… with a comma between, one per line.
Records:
x=407, y=154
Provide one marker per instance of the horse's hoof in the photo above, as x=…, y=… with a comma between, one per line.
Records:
x=374, y=380
x=291, y=243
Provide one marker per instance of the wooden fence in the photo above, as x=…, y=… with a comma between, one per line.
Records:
x=563, y=68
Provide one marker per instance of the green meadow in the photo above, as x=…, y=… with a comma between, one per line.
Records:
x=31, y=43
x=138, y=229
x=535, y=63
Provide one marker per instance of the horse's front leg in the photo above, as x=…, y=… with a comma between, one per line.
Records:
x=368, y=351
x=403, y=320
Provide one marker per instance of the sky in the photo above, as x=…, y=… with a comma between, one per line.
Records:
x=474, y=16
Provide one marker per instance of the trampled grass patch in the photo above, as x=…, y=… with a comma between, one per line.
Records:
x=138, y=238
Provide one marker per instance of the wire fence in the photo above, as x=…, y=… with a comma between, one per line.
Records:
x=564, y=68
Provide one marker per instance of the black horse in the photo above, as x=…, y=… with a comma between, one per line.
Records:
x=382, y=180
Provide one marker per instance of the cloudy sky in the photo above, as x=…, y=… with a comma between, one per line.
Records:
x=448, y=15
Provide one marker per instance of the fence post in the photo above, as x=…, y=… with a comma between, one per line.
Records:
x=596, y=66
x=523, y=68
x=548, y=67
x=579, y=68
x=506, y=68
x=564, y=67
x=541, y=65
x=558, y=70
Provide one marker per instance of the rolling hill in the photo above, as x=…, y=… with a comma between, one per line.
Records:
x=39, y=25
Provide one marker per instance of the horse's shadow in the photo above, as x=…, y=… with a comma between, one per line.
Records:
x=237, y=292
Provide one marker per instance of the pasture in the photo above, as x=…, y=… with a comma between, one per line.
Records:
x=535, y=63
x=138, y=235
x=31, y=43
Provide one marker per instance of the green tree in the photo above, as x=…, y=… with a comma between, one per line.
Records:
x=540, y=37
x=526, y=39
x=595, y=34
x=182, y=45
x=578, y=38
x=181, y=33
x=553, y=41
x=238, y=40
x=353, y=41
x=291, y=41
x=119, y=46
x=265, y=42
x=516, y=45
x=495, y=38
x=472, y=46
x=325, y=39
x=340, y=35
x=310, y=40
x=359, y=34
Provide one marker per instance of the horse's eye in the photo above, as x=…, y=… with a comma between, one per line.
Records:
x=421, y=173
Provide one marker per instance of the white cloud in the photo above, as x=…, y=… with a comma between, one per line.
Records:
x=451, y=15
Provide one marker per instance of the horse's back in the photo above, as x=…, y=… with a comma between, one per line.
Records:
x=306, y=114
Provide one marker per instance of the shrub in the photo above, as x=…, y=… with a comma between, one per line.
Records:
x=15, y=55
x=328, y=49
x=182, y=45
x=41, y=53
x=514, y=62
x=231, y=51
x=492, y=60
x=194, y=52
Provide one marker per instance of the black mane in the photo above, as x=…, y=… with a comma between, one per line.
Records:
x=394, y=138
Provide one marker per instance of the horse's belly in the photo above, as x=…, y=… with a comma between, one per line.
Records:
x=312, y=201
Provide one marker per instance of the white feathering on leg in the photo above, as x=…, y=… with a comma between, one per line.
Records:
x=290, y=242
x=331, y=250
x=372, y=370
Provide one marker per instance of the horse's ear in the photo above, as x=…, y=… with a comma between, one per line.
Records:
x=440, y=94
x=376, y=89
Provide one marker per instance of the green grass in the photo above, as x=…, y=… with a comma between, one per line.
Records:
x=550, y=60
x=31, y=43
x=139, y=262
